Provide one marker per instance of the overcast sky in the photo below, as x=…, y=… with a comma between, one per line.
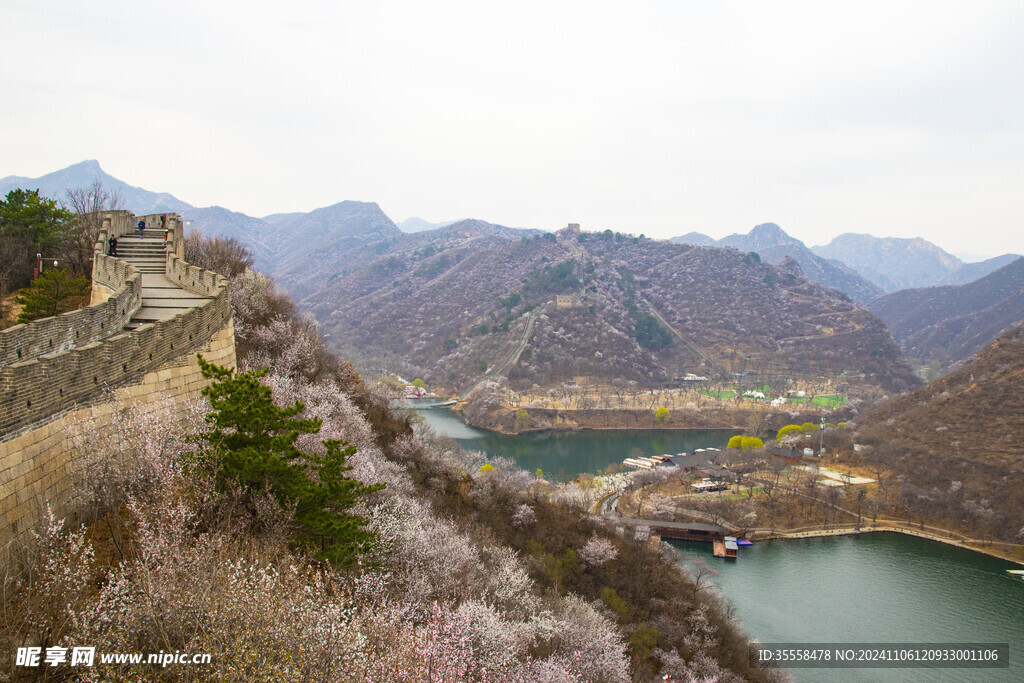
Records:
x=892, y=118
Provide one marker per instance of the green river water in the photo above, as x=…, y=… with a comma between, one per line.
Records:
x=563, y=455
x=872, y=588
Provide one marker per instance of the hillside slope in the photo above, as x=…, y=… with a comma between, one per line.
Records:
x=956, y=443
x=945, y=325
x=452, y=304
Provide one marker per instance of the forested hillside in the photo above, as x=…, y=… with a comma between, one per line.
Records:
x=955, y=444
x=944, y=325
x=451, y=304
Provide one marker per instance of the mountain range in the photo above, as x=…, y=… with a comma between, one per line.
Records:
x=894, y=263
x=944, y=325
x=862, y=266
x=773, y=244
x=452, y=304
x=351, y=256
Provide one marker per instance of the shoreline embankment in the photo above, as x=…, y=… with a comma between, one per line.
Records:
x=552, y=419
x=999, y=549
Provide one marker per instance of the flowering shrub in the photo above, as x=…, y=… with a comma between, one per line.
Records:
x=478, y=574
x=597, y=551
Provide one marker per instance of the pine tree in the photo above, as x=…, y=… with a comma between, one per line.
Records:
x=251, y=441
x=51, y=293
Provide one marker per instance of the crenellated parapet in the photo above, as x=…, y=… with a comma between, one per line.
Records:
x=77, y=370
x=79, y=328
x=52, y=365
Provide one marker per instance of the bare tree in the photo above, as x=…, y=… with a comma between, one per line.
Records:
x=754, y=424
x=88, y=204
x=701, y=572
x=810, y=483
x=861, y=495
x=770, y=488
x=224, y=255
x=879, y=466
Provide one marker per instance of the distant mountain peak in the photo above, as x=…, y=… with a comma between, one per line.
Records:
x=764, y=230
x=761, y=236
x=774, y=244
x=83, y=174
x=87, y=165
x=697, y=239
x=892, y=263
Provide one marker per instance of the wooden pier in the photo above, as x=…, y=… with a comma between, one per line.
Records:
x=723, y=545
x=688, y=531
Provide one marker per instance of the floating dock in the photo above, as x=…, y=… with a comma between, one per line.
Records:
x=647, y=462
x=725, y=547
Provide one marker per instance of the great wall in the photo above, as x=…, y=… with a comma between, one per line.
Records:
x=136, y=343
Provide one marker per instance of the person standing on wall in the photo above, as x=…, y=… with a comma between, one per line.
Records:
x=112, y=246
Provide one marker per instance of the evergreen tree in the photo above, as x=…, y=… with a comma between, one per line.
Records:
x=51, y=293
x=29, y=224
x=251, y=441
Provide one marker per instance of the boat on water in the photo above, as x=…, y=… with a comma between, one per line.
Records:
x=744, y=541
x=725, y=547
x=1016, y=572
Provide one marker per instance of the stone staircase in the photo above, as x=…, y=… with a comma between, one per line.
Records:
x=146, y=251
x=161, y=299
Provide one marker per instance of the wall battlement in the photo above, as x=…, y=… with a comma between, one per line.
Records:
x=86, y=325
x=50, y=365
x=81, y=367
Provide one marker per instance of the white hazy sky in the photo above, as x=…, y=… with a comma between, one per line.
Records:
x=893, y=118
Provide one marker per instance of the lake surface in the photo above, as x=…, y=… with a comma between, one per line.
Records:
x=874, y=588
x=563, y=455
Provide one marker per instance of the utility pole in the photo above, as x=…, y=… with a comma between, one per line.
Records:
x=821, y=441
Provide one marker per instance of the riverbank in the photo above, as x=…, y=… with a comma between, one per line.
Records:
x=522, y=420
x=1004, y=551
x=547, y=450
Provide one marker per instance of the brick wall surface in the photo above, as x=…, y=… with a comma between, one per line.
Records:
x=122, y=285
x=37, y=466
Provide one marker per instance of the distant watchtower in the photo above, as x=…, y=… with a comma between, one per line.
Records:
x=563, y=301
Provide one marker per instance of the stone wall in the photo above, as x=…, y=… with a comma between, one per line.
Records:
x=117, y=295
x=74, y=366
x=94, y=367
x=38, y=465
